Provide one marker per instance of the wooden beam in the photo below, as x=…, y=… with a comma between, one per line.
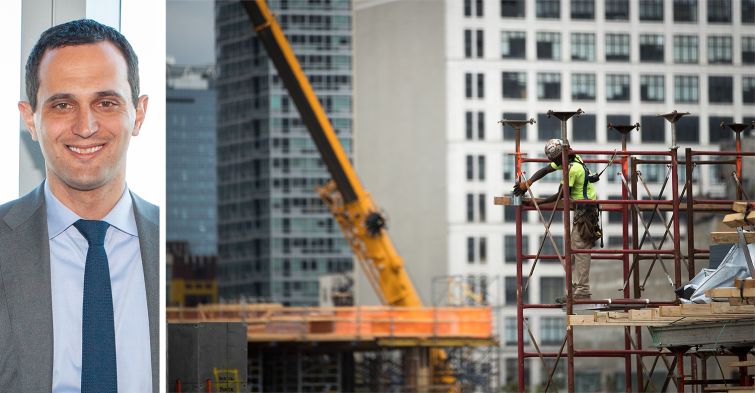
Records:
x=739, y=207
x=730, y=237
x=744, y=363
x=736, y=220
x=746, y=282
x=730, y=292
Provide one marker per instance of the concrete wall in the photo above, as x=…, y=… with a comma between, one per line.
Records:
x=399, y=132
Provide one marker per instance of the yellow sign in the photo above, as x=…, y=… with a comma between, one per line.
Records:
x=227, y=380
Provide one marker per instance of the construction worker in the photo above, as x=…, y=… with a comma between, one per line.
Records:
x=585, y=229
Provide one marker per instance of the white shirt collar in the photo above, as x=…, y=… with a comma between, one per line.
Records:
x=60, y=217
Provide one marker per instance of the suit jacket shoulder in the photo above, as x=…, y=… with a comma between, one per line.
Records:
x=25, y=295
x=147, y=218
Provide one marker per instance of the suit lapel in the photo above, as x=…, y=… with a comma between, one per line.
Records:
x=147, y=224
x=26, y=277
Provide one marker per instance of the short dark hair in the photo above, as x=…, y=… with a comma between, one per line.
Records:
x=79, y=32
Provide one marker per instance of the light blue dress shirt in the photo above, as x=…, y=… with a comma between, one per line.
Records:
x=68, y=250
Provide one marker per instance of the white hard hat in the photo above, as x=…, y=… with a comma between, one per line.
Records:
x=553, y=149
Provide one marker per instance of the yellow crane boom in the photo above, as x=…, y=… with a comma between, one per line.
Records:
x=353, y=208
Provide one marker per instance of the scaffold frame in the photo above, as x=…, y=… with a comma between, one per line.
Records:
x=631, y=208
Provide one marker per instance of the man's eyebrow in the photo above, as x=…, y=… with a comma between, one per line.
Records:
x=109, y=93
x=60, y=96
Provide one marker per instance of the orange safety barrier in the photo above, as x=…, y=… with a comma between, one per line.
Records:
x=267, y=321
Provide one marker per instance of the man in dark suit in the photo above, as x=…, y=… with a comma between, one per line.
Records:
x=79, y=282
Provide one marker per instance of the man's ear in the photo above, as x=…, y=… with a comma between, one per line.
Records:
x=27, y=114
x=141, y=111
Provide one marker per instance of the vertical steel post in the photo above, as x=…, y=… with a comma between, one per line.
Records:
x=689, y=167
x=677, y=237
x=517, y=125
x=564, y=117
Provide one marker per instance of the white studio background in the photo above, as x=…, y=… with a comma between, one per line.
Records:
x=143, y=24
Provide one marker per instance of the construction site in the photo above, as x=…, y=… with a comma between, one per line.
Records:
x=699, y=338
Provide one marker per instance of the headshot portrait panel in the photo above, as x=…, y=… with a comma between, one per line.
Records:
x=82, y=192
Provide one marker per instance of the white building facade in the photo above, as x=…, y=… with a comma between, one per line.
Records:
x=621, y=62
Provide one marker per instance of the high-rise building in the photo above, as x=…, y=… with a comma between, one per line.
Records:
x=434, y=77
x=190, y=175
x=275, y=234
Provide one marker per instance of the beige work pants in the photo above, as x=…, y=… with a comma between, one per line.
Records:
x=580, y=263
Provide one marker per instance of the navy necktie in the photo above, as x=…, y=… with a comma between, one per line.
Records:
x=98, y=366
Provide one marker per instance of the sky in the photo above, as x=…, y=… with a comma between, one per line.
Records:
x=191, y=31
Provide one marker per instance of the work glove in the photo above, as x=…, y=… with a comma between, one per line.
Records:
x=520, y=188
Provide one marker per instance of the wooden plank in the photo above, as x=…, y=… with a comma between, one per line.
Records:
x=502, y=200
x=739, y=206
x=747, y=282
x=744, y=363
x=730, y=237
x=736, y=220
x=730, y=292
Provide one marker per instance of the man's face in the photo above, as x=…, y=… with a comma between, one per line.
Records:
x=85, y=116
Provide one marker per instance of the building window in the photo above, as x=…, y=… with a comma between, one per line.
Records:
x=513, y=44
x=481, y=168
x=720, y=89
x=467, y=43
x=686, y=88
x=617, y=47
x=617, y=120
x=552, y=330
x=480, y=44
x=481, y=204
x=719, y=49
x=468, y=85
x=617, y=9
x=470, y=207
x=478, y=6
x=483, y=249
x=685, y=49
x=748, y=50
x=583, y=87
x=470, y=167
x=512, y=8
x=748, y=89
x=719, y=11
x=510, y=333
x=468, y=125
x=551, y=288
x=615, y=217
x=548, y=9
x=481, y=125
x=583, y=9
x=511, y=373
x=548, y=245
x=651, y=48
x=651, y=10
x=688, y=130
x=715, y=132
x=508, y=132
x=653, y=129
x=509, y=166
x=685, y=10
x=547, y=128
x=510, y=290
x=548, y=45
x=514, y=85
x=584, y=128
x=509, y=246
x=548, y=86
x=470, y=250
x=583, y=46
x=617, y=87
x=480, y=85
x=748, y=11
x=651, y=88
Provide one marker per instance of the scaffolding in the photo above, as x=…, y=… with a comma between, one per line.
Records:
x=634, y=212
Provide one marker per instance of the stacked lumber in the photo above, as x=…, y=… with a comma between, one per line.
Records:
x=742, y=217
x=742, y=293
x=666, y=315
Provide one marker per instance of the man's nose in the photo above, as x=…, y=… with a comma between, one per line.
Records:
x=86, y=123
